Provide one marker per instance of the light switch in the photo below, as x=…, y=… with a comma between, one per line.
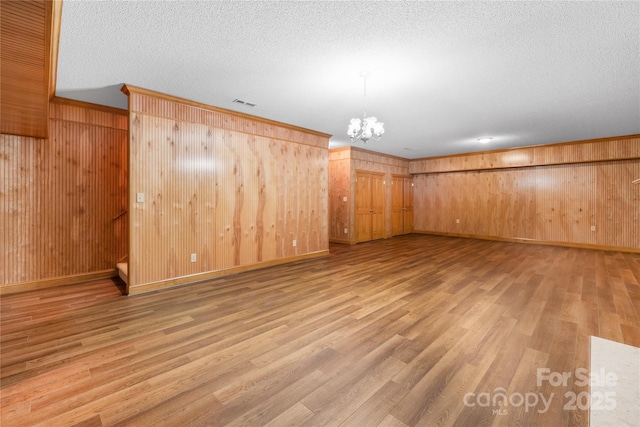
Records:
x=140, y=197
x=344, y=199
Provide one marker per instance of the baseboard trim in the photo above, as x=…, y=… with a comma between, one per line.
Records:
x=14, y=288
x=532, y=241
x=194, y=278
x=342, y=241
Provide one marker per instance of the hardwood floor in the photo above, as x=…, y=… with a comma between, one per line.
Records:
x=410, y=331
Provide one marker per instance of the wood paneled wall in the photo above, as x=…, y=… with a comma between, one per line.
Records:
x=341, y=204
x=29, y=32
x=61, y=198
x=233, y=189
x=596, y=150
x=344, y=162
x=556, y=203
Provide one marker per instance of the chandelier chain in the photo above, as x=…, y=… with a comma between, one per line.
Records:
x=367, y=128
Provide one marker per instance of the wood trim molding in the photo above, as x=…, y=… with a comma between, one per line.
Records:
x=506, y=150
x=187, y=280
x=57, y=281
x=353, y=154
x=54, y=19
x=339, y=149
x=342, y=241
x=369, y=172
x=84, y=104
x=129, y=89
x=565, y=153
x=389, y=156
x=531, y=241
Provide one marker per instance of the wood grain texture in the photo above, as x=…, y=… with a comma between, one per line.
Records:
x=397, y=205
x=401, y=205
x=232, y=190
x=407, y=205
x=345, y=162
x=164, y=105
x=339, y=190
x=556, y=203
x=597, y=150
x=63, y=198
x=394, y=332
x=29, y=32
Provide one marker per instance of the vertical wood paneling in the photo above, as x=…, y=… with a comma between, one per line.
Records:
x=397, y=205
x=407, y=205
x=546, y=203
x=28, y=46
x=62, y=197
x=616, y=148
x=344, y=162
x=618, y=203
x=339, y=189
x=233, y=190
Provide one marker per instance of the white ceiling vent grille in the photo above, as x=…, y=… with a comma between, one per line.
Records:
x=240, y=101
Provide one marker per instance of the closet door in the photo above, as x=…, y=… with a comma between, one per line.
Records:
x=397, y=205
x=401, y=205
x=407, y=196
x=370, y=206
x=378, y=205
x=363, y=207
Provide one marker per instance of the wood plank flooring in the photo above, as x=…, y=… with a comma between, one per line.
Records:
x=411, y=331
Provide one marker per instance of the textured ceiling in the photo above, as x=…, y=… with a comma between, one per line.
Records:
x=443, y=74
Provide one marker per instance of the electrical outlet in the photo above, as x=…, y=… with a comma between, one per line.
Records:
x=346, y=231
x=457, y=221
x=593, y=228
x=193, y=257
x=294, y=243
x=140, y=197
x=344, y=199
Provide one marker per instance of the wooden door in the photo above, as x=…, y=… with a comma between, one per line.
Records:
x=378, y=196
x=401, y=205
x=397, y=206
x=370, y=204
x=363, y=207
x=407, y=205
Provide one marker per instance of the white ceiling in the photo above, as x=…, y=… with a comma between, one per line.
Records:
x=443, y=74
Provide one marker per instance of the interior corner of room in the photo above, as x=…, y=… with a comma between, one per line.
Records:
x=179, y=262
x=91, y=190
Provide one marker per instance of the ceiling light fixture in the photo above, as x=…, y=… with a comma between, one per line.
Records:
x=484, y=140
x=368, y=127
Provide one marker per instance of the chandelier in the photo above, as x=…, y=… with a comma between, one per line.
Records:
x=368, y=127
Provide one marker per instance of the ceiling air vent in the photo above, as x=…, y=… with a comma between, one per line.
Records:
x=240, y=101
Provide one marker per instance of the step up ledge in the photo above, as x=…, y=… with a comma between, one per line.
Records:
x=123, y=271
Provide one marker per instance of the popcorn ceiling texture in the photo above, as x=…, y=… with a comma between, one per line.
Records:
x=442, y=73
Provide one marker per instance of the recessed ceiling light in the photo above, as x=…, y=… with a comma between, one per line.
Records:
x=484, y=140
